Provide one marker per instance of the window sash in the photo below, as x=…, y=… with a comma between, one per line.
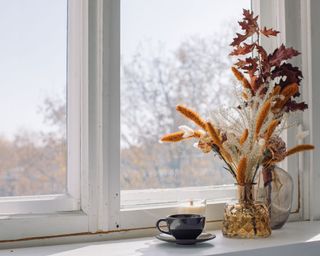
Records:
x=27, y=217
x=71, y=199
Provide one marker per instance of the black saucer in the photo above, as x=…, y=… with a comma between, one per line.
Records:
x=170, y=239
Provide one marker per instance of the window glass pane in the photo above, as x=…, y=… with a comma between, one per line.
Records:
x=173, y=52
x=32, y=97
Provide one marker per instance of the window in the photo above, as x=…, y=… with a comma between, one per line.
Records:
x=172, y=52
x=41, y=88
x=33, y=97
x=152, y=68
x=104, y=164
x=38, y=175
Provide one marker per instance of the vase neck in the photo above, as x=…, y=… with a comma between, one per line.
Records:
x=246, y=193
x=267, y=174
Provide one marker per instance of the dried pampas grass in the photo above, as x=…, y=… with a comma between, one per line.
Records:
x=271, y=128
x=286, y=94
x=241, y=78
x=173, y=137
x=299, y=148
x=192, y=115
x=263, y=113
x=213, y=134
x=244, y=136
x=276, y=90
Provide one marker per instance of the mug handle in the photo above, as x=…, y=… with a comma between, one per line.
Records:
x=163, y=231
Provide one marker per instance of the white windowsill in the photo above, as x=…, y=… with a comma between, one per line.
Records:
x=298, y=238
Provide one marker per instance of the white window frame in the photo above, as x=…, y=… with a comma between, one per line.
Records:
x=94, y=66
x=70, y=201
x=310, y=162
x=26, y=216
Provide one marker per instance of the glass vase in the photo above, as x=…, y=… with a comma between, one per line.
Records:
x=276, y=191
x=246, y=218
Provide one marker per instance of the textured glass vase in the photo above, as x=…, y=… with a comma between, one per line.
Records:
x=246, y=218
x=276, y=191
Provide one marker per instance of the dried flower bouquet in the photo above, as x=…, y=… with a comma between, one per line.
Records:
x=247, y=136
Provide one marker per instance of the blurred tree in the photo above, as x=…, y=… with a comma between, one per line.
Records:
x=197, y=75
x=33, y=163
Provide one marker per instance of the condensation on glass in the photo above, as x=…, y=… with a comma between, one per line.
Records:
x=33, y=97
x=172, y=52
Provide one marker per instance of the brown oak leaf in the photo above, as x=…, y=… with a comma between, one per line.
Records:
x=292, y=106
x=288, y=74
x=292, y=74
x=249, y=22
x=269, y=32
x=281, y=54
x=263, y=53
x=250, y=26
x=254, y=83
x=242, y=50
x=250, y=66
x=239, y=39
x=263, y=67
x=240, y=63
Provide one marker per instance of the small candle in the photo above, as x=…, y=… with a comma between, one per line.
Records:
x=193, y=207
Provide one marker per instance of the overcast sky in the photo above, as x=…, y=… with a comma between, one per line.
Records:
x=32, y=62
x=172, y=21
x=33, y=45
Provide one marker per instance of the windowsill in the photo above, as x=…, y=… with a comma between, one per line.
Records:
x=296, y=238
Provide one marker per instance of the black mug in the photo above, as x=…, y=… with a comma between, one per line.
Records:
x=183, y=226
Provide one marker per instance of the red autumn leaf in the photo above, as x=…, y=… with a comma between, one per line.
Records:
x=243, y=24
x=292, y=106
x=253, y=83
x=252, y=63
x=242, y=50
x=288, y=74
x=239, y=39
x=249, y=65
x=281, y=54
x=240, y=63
x=249, y=21
x=265, y=67
x=293, y=74
x=250, y=26
x=262, y=52
x=247, y=14
x=269, y=32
